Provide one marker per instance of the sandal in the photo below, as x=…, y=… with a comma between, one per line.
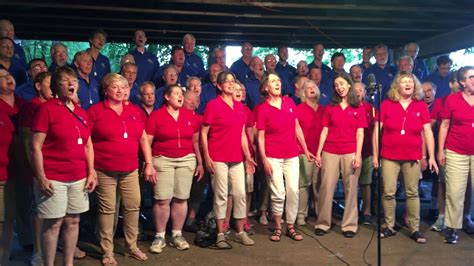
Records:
x=79, y=254
x=221, y=243
x=138, y=255
x=276, y=235
x=291, y=232
x=109, y=261
x=387, y=232
x=418, y=237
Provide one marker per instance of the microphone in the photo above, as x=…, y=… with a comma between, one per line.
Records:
x=371, y=83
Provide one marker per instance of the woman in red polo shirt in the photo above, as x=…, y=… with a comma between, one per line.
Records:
x=7, y=131
x=455, y=151
x=174, y=135
x=278, y=135
x=224, y=145
x=310, y=116
x=404, y=117
x=63, y=160
x=117, y=131
x=339, y=151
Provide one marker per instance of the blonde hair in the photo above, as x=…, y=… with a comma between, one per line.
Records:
x=111, y=78
x=303, y=89
x=394, y=94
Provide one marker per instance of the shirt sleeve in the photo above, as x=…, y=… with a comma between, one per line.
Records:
x=326, y=116
x=448, y=108
x=362, y=120
x=208, y=114
x=261, y=118
x=425, y=114
x=151, y=124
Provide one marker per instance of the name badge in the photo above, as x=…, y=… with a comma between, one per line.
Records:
x=79, y=141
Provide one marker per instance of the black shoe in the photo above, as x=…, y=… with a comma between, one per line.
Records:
x=348, y=234
x=451, y=236
x=319, y=232
x=192, y=227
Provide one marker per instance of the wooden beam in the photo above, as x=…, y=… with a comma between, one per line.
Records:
x=160, y=11
x=374, y=27
x=447, y=9
x=447, y=42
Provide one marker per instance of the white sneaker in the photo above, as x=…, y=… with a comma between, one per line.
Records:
x=157, y=245
x=439, y=225
x=36, y=259
x=244, y=239
x=179, y=242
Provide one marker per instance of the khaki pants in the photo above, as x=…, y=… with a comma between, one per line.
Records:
x=411, y=177
x=128, y=186
x=309, y=174
x=225, y=174
x=332, y=165
x=284, y=186
x=458, y=168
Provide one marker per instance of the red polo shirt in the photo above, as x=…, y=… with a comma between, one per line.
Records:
x=367, y=150
x=28, y=112
x=64, y=157
x=116, y=137
x=172, y=138
x=461, y=129
x=311, y=123
x=342, y=127
x=225, y=132
x=6, y=136
x=438, y=107
x=280, y=129
x=401, y=139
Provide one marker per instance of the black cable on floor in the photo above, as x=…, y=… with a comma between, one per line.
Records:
x=326, y=248
x=368, y=245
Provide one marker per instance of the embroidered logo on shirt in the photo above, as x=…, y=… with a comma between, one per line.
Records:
x=291, y=110
x=150, y=61
x=418, y=114
x=189, y=123
x=103, y=65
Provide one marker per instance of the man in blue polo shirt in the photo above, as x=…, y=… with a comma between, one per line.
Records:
x=146, y=62
x=170, y=76
x=440, y=77
x=325, y=87
x=101, y=64
x=286, y=71
x=177, y=59
x=338, y=60
x=193, y=62
x=252, y=84
x=27, y=90
x=302, y=68
x=366, y=55
x=318, y=53
x=89, y=89
x=59, y=56
x=129, y=71
x=419, y=66
x=384, y=73
x=7, y=30
x=9, y=62
x=241, y=67
x=270, y=62
x=356, y=73
x=209, y=90
x=219, y=57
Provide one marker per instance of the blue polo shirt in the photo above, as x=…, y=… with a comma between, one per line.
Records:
x=194, y=65
x=253, y=97
x=383, y=76
x=287, y=73
x=363, y=67
x=159, y=100
x=241, y=70
x=147, y=65
x=326, y=89
x=100, y=67
x=26, y=91
x=420, y=70
x=19, y=54
x=208, y=93
x=325, y=70
x=134, y=92
x=17, y=71
x=88, y=93
x=441, y=83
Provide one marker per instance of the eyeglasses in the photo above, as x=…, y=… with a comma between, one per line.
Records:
x=67, y=81
x=229, y=81
x=270, y=60
x=38, y=66
x=6, y=46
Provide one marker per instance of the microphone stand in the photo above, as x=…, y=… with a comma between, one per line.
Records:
x=377, y=91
